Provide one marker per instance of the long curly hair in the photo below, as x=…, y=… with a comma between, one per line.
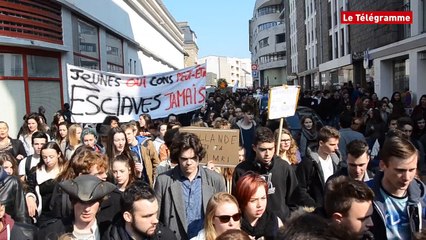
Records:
x=291, y=153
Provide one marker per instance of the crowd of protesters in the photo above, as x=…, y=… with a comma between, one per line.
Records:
x=357, y=174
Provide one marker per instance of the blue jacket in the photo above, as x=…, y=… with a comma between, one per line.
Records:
x=416, y=206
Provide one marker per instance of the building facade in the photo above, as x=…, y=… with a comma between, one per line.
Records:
x=41, y=37
x=267, y=41
x=234, y=70
x=323, y=53
x=190, y=44
x=401, y=65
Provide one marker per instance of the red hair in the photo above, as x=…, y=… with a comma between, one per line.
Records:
x=247, y=187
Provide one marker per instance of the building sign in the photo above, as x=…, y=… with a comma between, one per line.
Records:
x=93, y=95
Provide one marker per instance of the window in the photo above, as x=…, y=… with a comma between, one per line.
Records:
x=401, y=75
x=114, y=48
x=342, y=42
x=278, y=56
x=40, y=66
x=335, y=13
x=267, y=25
x=32, y=72
x=263, y=43
x=86, y=44
x=280, y=38
x=329, y=15
x=336, y=46
x=11, y=65
x=46, y=94
x=269, y=10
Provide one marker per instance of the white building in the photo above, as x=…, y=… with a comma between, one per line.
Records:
x=132, y=36
x=267, y=42
x=234, y=70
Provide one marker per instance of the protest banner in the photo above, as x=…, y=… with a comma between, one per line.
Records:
x=221, y=145
x=93, y=94
x=282, y=102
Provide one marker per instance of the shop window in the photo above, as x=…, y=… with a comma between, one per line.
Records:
x=401, y=75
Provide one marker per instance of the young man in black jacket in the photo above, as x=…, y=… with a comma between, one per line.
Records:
x=139, y=219
x=283, y=190
x=317, y=167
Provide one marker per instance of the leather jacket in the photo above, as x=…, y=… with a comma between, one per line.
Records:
x=12, y=196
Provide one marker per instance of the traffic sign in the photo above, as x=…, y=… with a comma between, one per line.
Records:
x=255, y=74
x=254, y=66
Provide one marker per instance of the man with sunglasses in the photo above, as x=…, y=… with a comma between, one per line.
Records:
x=183, y=192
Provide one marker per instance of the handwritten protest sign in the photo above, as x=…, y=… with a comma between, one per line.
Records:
x=282, y=101
x=97, y=94
x=221, y=145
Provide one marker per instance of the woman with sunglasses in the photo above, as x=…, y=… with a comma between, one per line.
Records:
x=257, y=221
x=222, y=214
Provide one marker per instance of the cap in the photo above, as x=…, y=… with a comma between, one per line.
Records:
x=87, y=188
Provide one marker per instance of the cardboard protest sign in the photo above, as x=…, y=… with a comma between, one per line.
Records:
x=96, y=94
x=282, y=101
x=221, y=145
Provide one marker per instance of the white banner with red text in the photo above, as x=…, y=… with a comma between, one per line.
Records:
x=94, y=94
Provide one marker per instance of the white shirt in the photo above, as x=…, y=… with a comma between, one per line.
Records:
x=327, y=167
x=92, y=235
x=21, y=168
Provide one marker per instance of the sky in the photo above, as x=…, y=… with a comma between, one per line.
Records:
x=221, y=26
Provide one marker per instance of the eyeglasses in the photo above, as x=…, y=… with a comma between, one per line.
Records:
x=226, y=218
x=285, y=140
